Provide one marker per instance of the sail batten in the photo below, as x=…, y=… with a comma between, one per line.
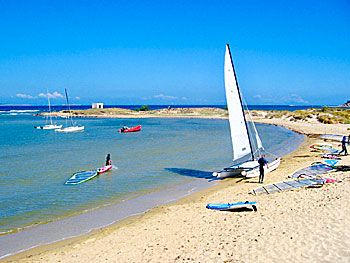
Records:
x=239, y=130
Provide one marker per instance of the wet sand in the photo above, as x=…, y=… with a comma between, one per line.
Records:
x=302, y=225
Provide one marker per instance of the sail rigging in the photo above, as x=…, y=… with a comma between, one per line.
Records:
x=70, y=112
x=50, y=126
x=241, y=141
x=74, y=127
x=246, y=143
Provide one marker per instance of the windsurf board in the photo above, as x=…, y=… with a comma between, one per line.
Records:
x=231, y=206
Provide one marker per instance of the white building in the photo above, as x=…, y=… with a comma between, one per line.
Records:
x=97, y=105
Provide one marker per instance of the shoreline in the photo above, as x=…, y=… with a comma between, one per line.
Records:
x=308, y=122
x=54, y=251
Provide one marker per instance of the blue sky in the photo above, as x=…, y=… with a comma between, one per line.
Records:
x=172, y=52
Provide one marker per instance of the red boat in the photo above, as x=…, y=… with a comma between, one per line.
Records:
x=132, y=129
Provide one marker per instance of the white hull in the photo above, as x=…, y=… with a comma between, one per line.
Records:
x=227, y=173
x=255, y=172
x=48, y=127
x=248, y=169
x=71, y=129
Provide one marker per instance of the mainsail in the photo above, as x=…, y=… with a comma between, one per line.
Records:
x=239, y=131
x=246, y=143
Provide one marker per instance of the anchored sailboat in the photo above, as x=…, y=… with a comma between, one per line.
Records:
x=50, y=126
x=72, y=128
x=246, y=143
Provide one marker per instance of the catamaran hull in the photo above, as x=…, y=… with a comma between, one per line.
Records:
x=48, y=127
x=71, y=129
x=248, y=172
x=227, y=173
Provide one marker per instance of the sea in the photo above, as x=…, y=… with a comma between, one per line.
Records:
x=168, y=159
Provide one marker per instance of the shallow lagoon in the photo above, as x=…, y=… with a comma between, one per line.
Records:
x=168, y=152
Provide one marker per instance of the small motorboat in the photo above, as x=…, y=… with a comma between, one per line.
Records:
x=131, y=129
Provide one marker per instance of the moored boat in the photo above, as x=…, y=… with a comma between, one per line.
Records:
x=72, y=128
x=50, y=126
x=131, y=129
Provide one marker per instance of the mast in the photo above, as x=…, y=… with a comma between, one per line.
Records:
x=239, y=95
x=70, y=113
x=48, y=99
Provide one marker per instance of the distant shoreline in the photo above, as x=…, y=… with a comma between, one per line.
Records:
x=307, y=117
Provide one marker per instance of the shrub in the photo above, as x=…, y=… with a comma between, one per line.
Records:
x=324, y=109
x=144, y=108
x=327, y=120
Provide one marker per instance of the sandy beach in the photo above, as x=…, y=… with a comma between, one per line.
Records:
x=302, y=225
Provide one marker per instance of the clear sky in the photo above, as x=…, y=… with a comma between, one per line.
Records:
x=172, y=52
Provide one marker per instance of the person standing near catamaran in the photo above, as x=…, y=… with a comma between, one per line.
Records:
x=262, y=162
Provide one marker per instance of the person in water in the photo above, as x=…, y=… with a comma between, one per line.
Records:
x=343, y=146
x=108, y=159
x=262, y=161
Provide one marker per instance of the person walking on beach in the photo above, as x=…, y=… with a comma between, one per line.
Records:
x=262, y=161
x=343, y=146
x=108, y=159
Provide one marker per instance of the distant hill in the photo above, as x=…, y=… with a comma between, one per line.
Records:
x=347, y=104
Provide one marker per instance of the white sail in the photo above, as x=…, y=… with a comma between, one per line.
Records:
x=244, y=143
x=239, y=131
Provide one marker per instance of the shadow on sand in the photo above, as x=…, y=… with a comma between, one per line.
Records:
x=243, y=209
x=193, y=173
x=343, y=168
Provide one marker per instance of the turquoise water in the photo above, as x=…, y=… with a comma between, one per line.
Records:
x=36, y=163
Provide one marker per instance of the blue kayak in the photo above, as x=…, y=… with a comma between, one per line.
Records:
x=232, y=206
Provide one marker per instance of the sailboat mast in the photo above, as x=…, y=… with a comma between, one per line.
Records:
x=239, y=95
x=48, y=99
x=70, y=112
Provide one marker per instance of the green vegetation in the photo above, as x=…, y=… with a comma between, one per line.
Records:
x=324, y=115
x=143, y=108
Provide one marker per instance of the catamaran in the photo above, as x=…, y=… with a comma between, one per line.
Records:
x=50, y=126
x=246, y=144
x=72, y=128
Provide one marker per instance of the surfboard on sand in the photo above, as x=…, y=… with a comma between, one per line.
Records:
x=232, y=206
